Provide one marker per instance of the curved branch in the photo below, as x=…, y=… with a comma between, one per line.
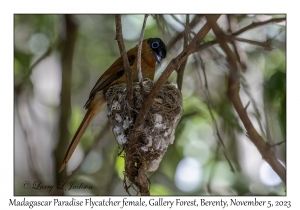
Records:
x=233, y=94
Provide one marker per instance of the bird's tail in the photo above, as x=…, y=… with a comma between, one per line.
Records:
x=94, y=108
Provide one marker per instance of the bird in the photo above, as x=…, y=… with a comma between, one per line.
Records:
x=153, y=51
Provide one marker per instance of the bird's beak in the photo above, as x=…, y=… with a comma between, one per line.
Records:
x=157, y=57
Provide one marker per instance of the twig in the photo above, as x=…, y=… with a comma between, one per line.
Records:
x=209, y=102
x=179, y=36
x=247, y=91
x=209, y=107
x=233, y=36
x=257, y=24
x=230, y=38
x=185, y=43
x=231, y=27
x=233, y=94
x=119, y=38
x=140, y=75
x=212, y=170
x=174, y=64
x=161, y=23
x=277, y=144
x=264, y=45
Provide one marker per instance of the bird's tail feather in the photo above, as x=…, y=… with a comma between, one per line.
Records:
x=94, y=108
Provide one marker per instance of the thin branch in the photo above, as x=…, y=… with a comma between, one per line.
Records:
x=209, y=102
x=233, y=94
x=264, y=45
x=230, y=38
x=233, y=36
x=277, y=144
x=253, y=102
x=180, y=35
x=140, y=75
x=119, y=38
x=257, y=24
x=185, y=43
x=161, y=23
x=206, y=45
x=174, y=64
x=209, y=107
x=212, y=170
x=231, y=27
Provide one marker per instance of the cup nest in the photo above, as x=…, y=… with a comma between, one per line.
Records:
x=145, y=146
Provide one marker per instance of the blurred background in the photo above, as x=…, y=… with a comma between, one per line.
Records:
x=62, y=56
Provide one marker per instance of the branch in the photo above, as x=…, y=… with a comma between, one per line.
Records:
x=233, y=94
x=140, y=75
x=174, y=64
x=119, y=38
x=257, y=24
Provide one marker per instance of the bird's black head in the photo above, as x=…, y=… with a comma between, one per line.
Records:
x=158, y=47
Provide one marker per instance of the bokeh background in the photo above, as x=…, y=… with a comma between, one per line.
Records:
x=196, y=164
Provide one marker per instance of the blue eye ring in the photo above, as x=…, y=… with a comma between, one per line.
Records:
x=155, y=45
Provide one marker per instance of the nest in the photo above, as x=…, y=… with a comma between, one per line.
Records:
x=145, y=146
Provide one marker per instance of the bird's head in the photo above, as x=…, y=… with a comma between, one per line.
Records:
x=158, y=48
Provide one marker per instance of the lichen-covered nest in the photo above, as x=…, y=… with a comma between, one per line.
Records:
x=143, y=149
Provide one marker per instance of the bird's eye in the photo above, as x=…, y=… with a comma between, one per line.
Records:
x=155, y=45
